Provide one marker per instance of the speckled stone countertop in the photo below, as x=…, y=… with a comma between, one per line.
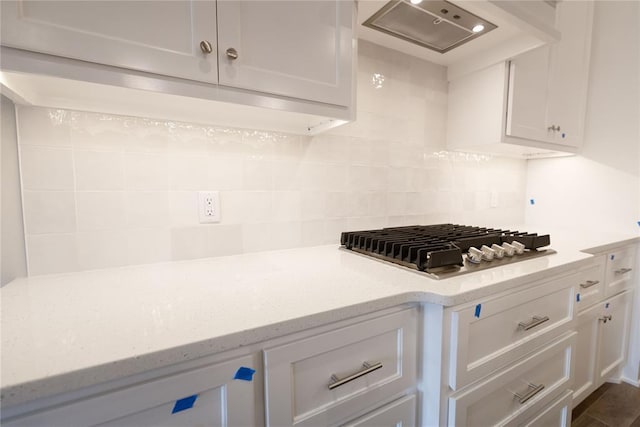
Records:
x=63, y=332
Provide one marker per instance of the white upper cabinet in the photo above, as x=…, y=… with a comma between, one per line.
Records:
x=293, y=48
x=536, y=102
x=270, y=57
x=160, y=37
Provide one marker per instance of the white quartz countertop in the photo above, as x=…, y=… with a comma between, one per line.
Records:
x=64, y=332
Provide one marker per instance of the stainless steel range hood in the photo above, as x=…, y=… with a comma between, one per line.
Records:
x=436, y=25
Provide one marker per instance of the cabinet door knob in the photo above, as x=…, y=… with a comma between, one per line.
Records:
x=554, y=128
x=206, y=47
x=604, y=319
x=232, y=53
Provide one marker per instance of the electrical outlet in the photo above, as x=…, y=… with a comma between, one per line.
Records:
x=208, y=206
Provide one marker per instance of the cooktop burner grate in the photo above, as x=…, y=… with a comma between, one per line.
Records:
x=439, y=249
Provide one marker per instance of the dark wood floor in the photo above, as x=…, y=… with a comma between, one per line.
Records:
x=612, y=405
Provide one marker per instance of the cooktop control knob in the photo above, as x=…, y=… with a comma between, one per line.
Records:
x=475, y=255
x=499, y=250
x=509, y=250
x=519, y=247
x=487, y=252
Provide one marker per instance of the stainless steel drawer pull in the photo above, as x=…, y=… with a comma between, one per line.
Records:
x=589, y=283
x=623, y=271
x=535, y=321
x=366, y=369
x=533, y=390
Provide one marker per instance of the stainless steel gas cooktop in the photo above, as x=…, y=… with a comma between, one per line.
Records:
x=447, y=250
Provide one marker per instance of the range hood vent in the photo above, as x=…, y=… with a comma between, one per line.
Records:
x=436, y=25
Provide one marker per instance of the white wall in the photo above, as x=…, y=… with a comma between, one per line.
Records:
x=103, y=190
x=601, y=187
x=12, y=259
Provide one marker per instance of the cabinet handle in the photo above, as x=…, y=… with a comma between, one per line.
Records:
x=589, y=284
x=206, y=47
x=604, y=319
x=535, y=321
x=232, y=53
x=366, y=368
x=533, y=390
x=623, y=271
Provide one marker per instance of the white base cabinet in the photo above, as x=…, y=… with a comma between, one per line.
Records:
x=401, y=413
x=603, y=328
x=208, y=396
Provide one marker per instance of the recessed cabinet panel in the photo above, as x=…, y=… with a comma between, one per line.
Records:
x=327, y=378
x=569, y=78
x=536, y=379
x=614, y=336
x=401, y=413
x=620, y=270
x=494, y=333
x=162, y=37
x=528, y=90
x=585, y=381
x=300, y=49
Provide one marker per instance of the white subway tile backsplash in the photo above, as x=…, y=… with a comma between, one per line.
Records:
x=102, y=249
x=147, y=208
x=103, y=210
x=146, y=171
x=183, y=208
x=148, y=245
x=49, y=212
x=188, y=172
x=52, y=253
x=46, y=168
x=312, y=232
x=224, y=240
x=43, y=126
x=99, y=170
x=189, y=243
x=104, y=190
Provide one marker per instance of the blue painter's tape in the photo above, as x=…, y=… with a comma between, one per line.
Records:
x=184, y=404
x=612, y=257
x=478, y=308
x=606, y=305
x=578, y=297
x=639, y=223
x=532, y=201
x=244, y=374
x=564, y=135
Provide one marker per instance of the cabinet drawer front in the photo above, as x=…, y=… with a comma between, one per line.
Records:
x=402, y=412
x=205, y=396
x=299, y=374
x=620, y=270
x=537, y=379
x=589, y=284
x=495, y=333
x=557, y=414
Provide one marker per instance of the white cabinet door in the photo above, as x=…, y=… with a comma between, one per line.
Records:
x=568, y=83
x=401, y=413
x=585, y=380
x=207, y=396
x=161, y=37
x=300, y=49
x=614, y=337
x=528, y=96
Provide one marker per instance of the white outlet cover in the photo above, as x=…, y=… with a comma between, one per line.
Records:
x=208, y=206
